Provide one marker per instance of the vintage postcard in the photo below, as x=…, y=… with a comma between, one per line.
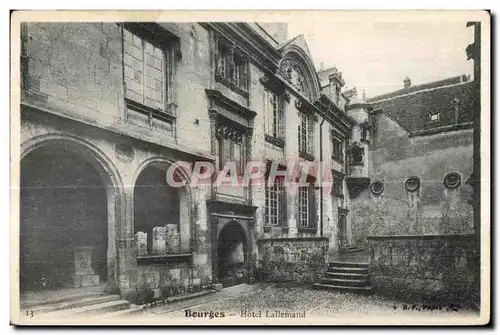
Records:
x=250, y=168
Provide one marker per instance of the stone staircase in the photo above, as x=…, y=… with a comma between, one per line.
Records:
x=87, y=304
x=347, y=277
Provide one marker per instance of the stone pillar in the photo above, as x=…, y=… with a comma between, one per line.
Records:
x=248, y=157
x=127, y=260
x=172, y=238
x=159, y=241
x=212, y=114
x=214, y=221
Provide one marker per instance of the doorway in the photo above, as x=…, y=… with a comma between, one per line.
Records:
x=63, y=215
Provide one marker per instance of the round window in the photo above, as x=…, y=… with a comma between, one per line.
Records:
x=412, y=184
x=377, y=187
x=452, y=180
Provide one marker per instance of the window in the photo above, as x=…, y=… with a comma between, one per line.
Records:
x=273, y=114
x=145, y=69
x=307, y=207
x=434, y=117
x=303, y=206
x=276, y=204
x=231, y=65
x=337, y=148
x=357, y=154
x=230, y=149
x=365, y=131
x=305, y=129
x=338, y=189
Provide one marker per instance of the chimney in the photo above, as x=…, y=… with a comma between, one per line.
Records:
x=406, y=82
x=322, y=66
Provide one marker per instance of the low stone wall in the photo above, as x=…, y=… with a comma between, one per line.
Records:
x=157, y=280
x=426, y=268
x=299, y=260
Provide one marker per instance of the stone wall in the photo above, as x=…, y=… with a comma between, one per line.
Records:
x=433, y=208
x=299, y=260
x=426, y=268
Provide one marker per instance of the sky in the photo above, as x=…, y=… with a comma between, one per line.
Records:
x=376, y=57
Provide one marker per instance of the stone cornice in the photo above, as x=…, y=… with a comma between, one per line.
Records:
x=217, y=98
x=249, y=41
x=334, y=115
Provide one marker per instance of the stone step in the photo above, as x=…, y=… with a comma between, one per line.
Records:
x=74, y=303
x=344, y=282
x=61, y=298
x=105, y=307
x=351, y=251
x=134, y=310
x=348, y=270
x=349, y=264
x=364, y=289
x=346, y=275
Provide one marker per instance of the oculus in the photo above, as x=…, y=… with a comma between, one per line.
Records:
x=377, y=187
x=412, y=184
x=452, y=180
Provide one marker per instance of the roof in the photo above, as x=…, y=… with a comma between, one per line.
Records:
x=412, y=107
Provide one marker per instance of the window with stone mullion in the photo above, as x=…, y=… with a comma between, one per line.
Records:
x=276, y=204
x=273, y=114
x=304, y=134
x=145, y=70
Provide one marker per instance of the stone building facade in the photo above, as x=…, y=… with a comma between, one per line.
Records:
x=419, y=159
x=107, y=108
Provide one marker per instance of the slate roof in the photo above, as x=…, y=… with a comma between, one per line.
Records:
x=411, y=106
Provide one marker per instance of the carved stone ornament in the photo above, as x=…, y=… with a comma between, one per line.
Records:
x=124, y=152
x=294, y=75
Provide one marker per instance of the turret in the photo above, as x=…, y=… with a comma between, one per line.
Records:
x=358, y=177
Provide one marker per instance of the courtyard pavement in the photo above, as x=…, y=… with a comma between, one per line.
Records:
x=245, y=302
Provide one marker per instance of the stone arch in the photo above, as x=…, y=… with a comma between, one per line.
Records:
x=233, y=253
x=186, y=199
x=242, y=228
x=90, y=152
x=109, y=177
x=297, y=55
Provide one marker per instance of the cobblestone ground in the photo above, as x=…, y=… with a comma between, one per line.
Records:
x=239, y=301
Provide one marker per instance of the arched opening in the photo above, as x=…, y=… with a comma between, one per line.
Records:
x=161, y=214
x=232, y=247
x=63, y=221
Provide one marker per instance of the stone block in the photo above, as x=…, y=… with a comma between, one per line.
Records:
x=90, y=280
x=83, y=260
x=217, y=287
x=141, y=243
x=77, y=281
x=159, y=241
x=157, y=293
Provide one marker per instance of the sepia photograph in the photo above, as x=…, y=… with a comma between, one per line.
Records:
x=250, y=168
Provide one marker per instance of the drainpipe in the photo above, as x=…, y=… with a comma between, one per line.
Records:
x=321, y=174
